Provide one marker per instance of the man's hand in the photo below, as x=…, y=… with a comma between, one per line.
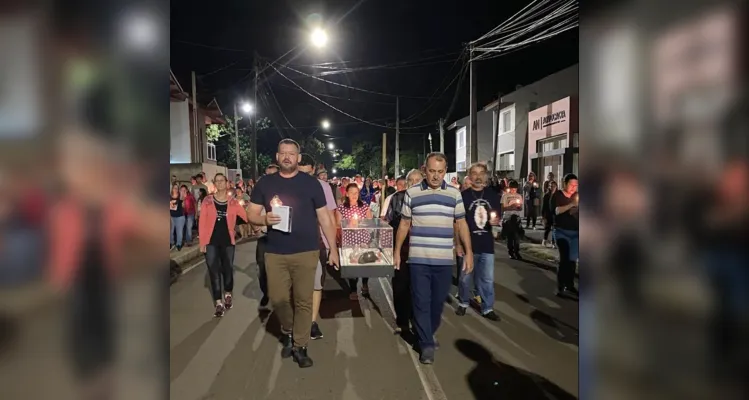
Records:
x=459, y=251
x=333, y=260
x=468, y=263
x=272, y=219
x=397, y=260
x=203, y=249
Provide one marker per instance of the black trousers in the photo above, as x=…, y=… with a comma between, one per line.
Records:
x=402, y=292
x=547, y=229
x=220, y=260
x=513, y=243
x=262, y=276
x=566, y=269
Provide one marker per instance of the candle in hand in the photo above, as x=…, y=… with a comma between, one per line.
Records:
x=241, y=203
x=493, y=214
x=276, y=202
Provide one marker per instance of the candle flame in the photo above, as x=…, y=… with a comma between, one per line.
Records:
x=356, y=216
x=241, y=203
x=276, y=202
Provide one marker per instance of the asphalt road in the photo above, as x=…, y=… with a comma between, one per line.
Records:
x=530, y=354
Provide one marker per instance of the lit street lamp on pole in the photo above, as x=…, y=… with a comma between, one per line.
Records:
x=246, y=108
x=331, y=146
x=430, y=143
x=319, y=38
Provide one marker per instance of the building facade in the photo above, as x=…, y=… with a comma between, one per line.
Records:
x=485, y=124
x=553, y=138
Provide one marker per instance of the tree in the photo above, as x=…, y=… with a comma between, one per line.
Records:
x=224, y=136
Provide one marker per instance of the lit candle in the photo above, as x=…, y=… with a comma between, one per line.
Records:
x=276, y=202
x=507, y=190
x=493, y=214
x=356, y=216
x=241, y=203
x=230, y=193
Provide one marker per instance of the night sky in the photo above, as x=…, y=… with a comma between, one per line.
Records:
x=217, y=41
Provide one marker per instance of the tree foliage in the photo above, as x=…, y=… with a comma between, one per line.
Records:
x=214, y=132
x=366, y=159
x=229, y=156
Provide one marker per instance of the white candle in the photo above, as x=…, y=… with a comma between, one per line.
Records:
x=241, y=203
x=493, y=214
x=276, y=202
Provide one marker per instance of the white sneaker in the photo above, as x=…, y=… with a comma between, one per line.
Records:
x=543, y=243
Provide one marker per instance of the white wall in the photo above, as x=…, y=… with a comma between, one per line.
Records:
x=179, y=131
x=461, y=144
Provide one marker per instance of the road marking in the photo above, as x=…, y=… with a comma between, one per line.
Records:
x=190, y=268
x=426, y=374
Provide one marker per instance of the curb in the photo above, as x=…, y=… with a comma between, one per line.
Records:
x=181, y=259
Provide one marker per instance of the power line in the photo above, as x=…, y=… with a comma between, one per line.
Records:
x=347, y=86
x=432, y=103
x=327, y=104
x=209, y=46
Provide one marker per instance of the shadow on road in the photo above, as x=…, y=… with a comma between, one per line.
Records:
x=491, y=379
x=181, y=354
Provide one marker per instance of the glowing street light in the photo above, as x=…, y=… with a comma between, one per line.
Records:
x=335, y=170
x=325, y=124
x=331, y=146
x=319, y=38
x=246, y=108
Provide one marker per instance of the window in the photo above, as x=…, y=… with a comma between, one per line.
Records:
x=461, y=166
x=507, y=121
x=461, y=138
x=553, y=143
x=506, y=162
x=211, y=152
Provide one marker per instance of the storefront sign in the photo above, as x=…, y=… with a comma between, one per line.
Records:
x=551, y=120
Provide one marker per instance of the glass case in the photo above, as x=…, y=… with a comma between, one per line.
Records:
x=366, y=248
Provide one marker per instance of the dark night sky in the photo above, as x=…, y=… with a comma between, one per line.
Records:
x=223, y=35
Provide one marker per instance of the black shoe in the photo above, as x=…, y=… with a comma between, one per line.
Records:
x=461, y=311
x=427, y=356
x=491, y=316
x=220, y=310
x=574, y=291
x=315, y=333
x=264, y=303
x=518, y=257
x=301, y=357
x=179, y=248
x=288, y=345
x=512, y=256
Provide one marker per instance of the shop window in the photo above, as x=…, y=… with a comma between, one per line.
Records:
x=552, y=143
x=506, y=162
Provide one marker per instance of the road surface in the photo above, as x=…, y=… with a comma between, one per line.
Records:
x=530, y=354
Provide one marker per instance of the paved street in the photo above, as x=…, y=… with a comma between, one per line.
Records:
x=530, y=354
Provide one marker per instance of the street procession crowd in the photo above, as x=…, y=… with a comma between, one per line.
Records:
x=436, y=225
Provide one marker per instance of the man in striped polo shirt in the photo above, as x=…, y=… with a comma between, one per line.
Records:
x=431, y=209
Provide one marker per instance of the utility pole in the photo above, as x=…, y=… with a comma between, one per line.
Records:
x=495, y=158
x=236, y=137
x=195, y=149
x=397, y=138
x=384, y=154
x=442, y=135
x=473, y=128
x=253, y=168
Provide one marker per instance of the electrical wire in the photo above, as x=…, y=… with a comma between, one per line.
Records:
x=499, y=27
x=347, y=86
x=389, y=103
x=489, y=54
x=324, y=102
x=432, y=103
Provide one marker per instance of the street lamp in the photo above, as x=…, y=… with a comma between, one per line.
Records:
x=335, y=170
x=430, y=143
x=325, y=124
x=331, y=146
x=246, y=108
x=319, y=38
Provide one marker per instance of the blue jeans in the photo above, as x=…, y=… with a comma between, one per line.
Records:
x=178, y=223
x=483, y=276
x=190, y=221
x=430, y=285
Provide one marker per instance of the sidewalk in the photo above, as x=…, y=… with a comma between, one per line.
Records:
x=180, y=259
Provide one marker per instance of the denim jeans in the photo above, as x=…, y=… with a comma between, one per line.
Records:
x=483, y=276
x=178, y=223
x=220, y=262
x=190, y=222
x=567, y=243
x=430, y=285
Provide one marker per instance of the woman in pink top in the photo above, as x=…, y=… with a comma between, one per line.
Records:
x=218, y=217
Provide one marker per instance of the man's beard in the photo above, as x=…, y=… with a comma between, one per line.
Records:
x=289, y=169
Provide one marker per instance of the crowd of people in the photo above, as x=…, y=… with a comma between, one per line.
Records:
x=436, y=224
